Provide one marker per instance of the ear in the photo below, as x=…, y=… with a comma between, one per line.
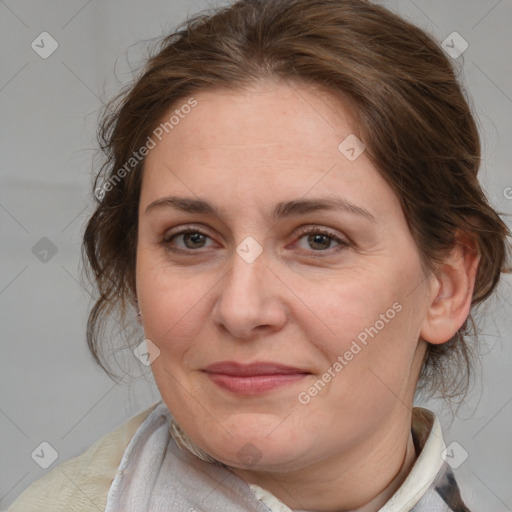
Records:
x=452, y=290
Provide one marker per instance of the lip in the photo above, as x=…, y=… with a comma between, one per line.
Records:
x=254, y=378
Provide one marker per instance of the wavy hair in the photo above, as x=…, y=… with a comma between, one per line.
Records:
x=410, y=109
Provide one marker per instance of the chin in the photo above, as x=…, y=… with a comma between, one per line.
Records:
x=254, y=449
x=259, y=458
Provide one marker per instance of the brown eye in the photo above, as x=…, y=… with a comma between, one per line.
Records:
x=194, y=240
x=186, y=240
x=318, y=240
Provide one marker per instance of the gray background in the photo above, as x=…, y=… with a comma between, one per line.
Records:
x=50, y=388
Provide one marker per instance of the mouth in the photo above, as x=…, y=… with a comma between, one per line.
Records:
x=253, y=379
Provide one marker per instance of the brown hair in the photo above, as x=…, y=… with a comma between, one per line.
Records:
x=411, y=114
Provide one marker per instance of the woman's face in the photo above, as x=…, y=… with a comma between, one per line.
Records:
x=264, y=242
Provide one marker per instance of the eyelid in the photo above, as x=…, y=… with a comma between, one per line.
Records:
x=183, y=228
x=314, y=228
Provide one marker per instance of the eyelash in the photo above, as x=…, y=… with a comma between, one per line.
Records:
x=167, y=241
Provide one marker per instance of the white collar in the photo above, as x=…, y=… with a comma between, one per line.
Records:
x=427, y=432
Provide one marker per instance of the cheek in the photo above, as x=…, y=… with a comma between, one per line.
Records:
x=171, y=305
x=352, y=303
x=371, y=322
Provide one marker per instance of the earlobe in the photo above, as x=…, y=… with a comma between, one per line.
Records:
x=453, y=291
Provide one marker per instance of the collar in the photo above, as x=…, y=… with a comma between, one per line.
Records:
x=429, y=443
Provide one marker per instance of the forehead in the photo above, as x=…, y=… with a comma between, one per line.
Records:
x=268, y=114
x=274, y=138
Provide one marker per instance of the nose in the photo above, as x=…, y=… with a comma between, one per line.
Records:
x=250, y=301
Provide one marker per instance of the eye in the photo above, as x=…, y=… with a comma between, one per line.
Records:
x=189, y=239
x=320, y=240
x=312, y=239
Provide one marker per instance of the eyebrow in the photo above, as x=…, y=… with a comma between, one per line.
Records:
x=282, y=209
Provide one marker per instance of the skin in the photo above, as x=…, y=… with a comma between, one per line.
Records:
x=300, y=303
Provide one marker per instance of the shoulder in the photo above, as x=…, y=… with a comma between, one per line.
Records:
x=81, y=483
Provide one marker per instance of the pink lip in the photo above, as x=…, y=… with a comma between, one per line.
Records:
x=254, y=378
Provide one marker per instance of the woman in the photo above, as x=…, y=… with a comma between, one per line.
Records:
x=290, y=201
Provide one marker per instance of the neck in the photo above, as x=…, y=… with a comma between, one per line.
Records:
x=360, y=481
